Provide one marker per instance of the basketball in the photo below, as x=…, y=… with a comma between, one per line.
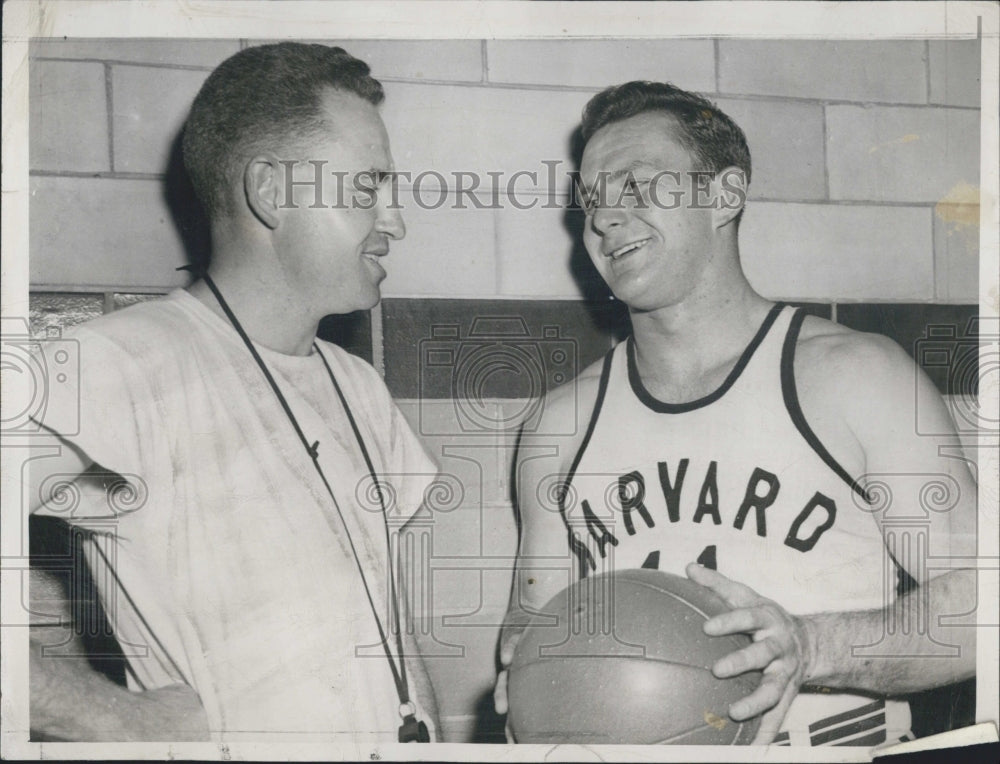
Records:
x=621, y=658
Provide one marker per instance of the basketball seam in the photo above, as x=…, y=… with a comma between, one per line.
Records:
x=658, y=589
x=680, y=599
x=669, y=593
x=677, y=598
x=667, y=740
x=627, y=658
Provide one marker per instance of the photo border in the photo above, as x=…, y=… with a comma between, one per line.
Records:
x=478, y=20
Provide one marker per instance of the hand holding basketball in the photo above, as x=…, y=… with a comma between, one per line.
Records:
x=621, y=658
x=782, y=648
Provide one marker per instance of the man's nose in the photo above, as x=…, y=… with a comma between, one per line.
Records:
x=607, y=217
x=390, y=222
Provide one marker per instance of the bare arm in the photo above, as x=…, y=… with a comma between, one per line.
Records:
x=917, y=481
x=70, y=700
x=911, y=661
x=820, y=649
x=880, y=388
x=545, y=564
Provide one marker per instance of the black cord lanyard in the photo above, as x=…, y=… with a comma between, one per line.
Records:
x=411, y=730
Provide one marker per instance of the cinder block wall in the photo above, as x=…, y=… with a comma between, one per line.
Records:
x=864, y=203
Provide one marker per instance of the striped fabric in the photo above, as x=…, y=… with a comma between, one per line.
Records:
x=864, y=725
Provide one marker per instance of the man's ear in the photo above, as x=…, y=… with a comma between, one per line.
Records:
x=262, y=185
x=730, y=194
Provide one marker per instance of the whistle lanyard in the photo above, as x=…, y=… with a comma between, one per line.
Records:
x=411, y=730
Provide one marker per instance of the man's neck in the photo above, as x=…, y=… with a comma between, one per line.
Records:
x=266, y=308
x=684, y=351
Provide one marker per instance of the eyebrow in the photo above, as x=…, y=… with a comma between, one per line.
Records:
x=621, y=172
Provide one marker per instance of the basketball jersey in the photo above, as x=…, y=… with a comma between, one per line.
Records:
x=737, y=481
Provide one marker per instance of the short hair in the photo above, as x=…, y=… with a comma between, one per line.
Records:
x=257, y=99
x=706, y=131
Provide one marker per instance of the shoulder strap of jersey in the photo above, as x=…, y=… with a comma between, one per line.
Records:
x=794, y=408
x=602, y=389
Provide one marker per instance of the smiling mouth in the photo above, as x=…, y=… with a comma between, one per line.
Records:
x=627, y=249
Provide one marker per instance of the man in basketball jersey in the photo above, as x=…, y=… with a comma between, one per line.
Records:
x=767, y=454
x=254, y=566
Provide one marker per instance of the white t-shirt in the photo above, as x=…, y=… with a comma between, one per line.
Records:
x=224, y=563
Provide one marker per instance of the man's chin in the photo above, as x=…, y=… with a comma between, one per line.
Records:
x=365, y=300
x=370, y=301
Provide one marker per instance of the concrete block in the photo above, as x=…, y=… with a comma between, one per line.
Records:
x=102, y=233
x=786, y=147
x=471, y=594
x=470, y=129
x=540, y=250
x=467, y=555
x=838, y=252
x=479, y=350
x=955, y=72
x=516, y=411
x=469, y=461
x=462, y=533
x=441, y=60
x=900, y=154
x=200, y=53
x=68, y=113
x=150, y=107
x=890, y=71
x=457, y=592
x=599, y=63
x=447, y=251
x=463, y=678
x=956, y=251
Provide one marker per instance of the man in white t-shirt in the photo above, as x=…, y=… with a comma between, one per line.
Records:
x=225, y=458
